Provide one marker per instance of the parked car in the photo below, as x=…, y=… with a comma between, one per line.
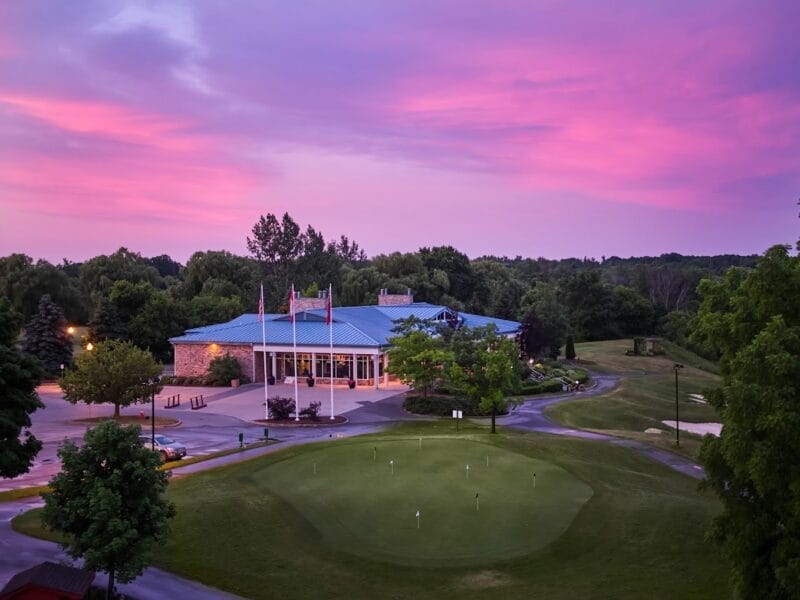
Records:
x=167, y=447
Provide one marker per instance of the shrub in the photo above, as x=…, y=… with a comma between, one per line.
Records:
x=281, y=409
x=311, y=411
x=577, y=375
x=442, y=406
x=541, y=387
x=222, y=369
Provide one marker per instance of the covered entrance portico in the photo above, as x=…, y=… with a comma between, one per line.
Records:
x=366, y=366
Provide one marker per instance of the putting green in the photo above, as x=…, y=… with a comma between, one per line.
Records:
x=348, y=493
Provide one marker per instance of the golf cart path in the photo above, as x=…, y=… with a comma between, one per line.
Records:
x=529, y=416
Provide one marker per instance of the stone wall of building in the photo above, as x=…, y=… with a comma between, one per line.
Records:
x=301, y=304
x=192, y=360
x=386, y=299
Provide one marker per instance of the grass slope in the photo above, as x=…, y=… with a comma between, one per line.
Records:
x=640, y=535
x=645, y=396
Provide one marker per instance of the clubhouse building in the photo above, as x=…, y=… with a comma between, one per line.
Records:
x=361, y=337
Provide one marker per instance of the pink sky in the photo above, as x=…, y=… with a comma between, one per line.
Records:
x=509, y=128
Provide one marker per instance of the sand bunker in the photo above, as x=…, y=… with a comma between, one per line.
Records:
x=698, y=428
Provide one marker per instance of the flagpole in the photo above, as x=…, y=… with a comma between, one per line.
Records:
x=264, y=353
x=294, y=346
x=330, y=336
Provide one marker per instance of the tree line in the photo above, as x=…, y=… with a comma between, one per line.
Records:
x=147, y=300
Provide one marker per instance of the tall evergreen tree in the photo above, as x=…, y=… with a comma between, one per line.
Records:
x=106, y=323
x=569, y=351
x=46, y=337
x=19, y=375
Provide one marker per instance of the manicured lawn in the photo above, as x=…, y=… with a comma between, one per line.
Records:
x=271, y=528
x=644, y=398
x=349, y=493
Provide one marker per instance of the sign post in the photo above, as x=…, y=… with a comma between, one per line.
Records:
x=458, y=415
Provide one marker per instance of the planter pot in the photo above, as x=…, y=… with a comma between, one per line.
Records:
x=270, y=380
x=310, y=381
x=351, y=384
x=234, y=383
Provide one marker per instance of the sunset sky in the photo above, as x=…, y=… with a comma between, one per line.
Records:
x=536, y=128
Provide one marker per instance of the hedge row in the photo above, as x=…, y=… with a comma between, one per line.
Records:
x=173, y=380
x=442, y=406
x=541, y=387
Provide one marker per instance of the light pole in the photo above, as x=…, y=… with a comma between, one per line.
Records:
x=677, y=368
x=153, y=383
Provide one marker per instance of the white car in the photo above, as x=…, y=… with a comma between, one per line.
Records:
x=167, y=447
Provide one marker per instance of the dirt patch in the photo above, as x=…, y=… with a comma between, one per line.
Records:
x=483, y=580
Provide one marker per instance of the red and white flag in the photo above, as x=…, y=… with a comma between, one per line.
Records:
x=291, y=305
x=329, y=311
x=261, y=305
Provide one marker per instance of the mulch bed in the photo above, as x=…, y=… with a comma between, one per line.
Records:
x=303, y=422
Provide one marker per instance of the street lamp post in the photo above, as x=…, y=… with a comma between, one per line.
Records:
x=677, y=367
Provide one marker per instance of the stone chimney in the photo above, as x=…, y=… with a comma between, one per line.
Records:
x=302, y=304
x=387, y=299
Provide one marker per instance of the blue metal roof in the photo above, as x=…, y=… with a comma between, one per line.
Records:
x=362, y=326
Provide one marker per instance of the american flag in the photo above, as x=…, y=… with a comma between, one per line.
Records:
x=291, y=305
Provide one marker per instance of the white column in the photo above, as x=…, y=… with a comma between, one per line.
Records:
x=314, y=365
x=354, y=369
x=274, y=366
x=375, y=363
x=253, y=378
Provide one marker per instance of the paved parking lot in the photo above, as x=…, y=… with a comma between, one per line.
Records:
x=211, y=429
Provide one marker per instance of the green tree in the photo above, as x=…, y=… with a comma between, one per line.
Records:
x=591, y=306
x=114, y=372
x=416, y=357
x=106, y=323
x=753, y=321
x=455, y=265
x=109, y=501
x=99, y=274
x=160, y=318
x=24, y=283
x=485, y=368
x=220, y=273
x=19, y=375
x=544, y=320
x=204, y=310
x=46, y=337
x=569, y=351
